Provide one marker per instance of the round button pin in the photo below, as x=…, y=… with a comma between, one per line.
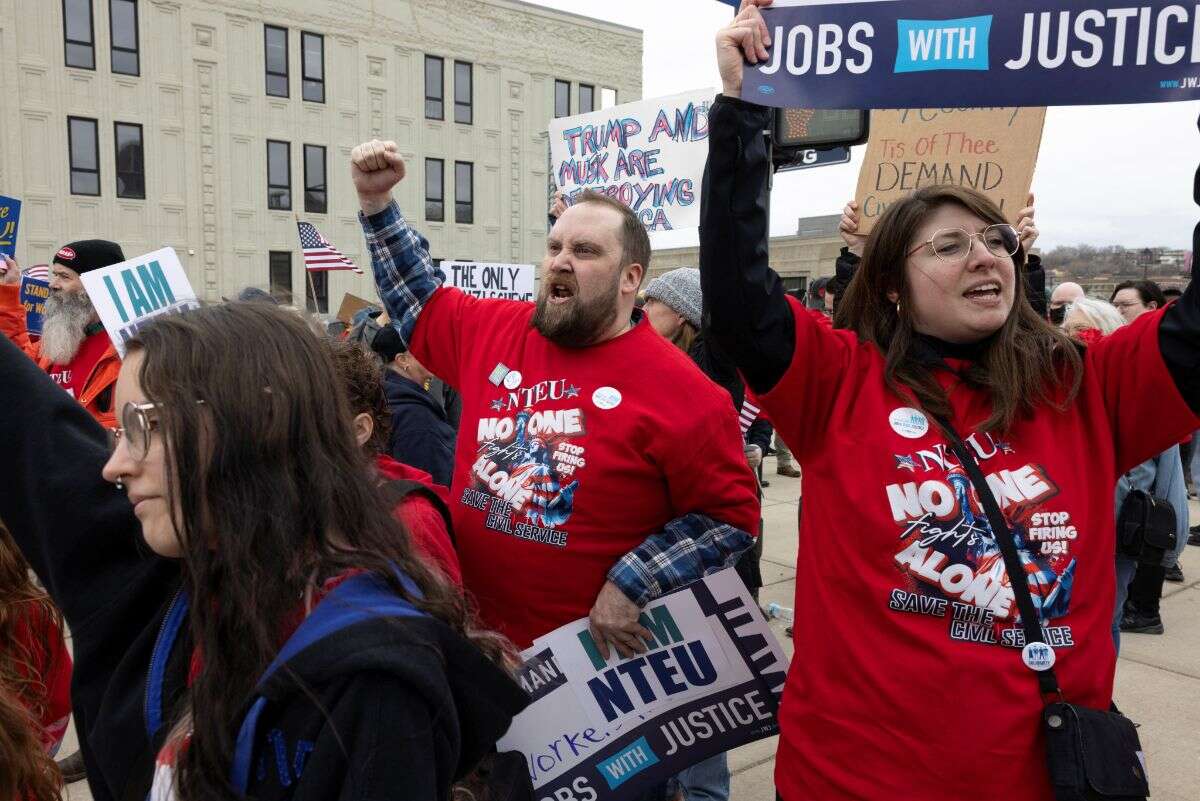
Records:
x=512, y=380
x=1037, y=656
x=908, y=422
x=607, y=398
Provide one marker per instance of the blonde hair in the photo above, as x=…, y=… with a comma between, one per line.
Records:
x=1101, y=315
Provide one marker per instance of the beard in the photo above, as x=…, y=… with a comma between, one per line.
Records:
x=576, y=323
x=67, y=317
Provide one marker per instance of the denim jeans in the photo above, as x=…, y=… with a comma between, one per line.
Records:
x=1125, y=570
x=707, y=780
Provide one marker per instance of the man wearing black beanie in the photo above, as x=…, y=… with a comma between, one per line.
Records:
x=74, y=348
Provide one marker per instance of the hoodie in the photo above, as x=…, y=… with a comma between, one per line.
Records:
x=421, y=436
x=369, y=698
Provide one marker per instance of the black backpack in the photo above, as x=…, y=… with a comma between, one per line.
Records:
x=1146, y=527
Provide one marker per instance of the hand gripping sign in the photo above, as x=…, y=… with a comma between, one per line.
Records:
x=976, y=53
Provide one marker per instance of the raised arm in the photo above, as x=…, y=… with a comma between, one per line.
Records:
x=1179, y=332
x=404, y=273
x=745, y=308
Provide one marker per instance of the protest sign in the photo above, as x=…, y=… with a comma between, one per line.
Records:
x=10, y=219
x=129, y=294
x=351, y=305
x=711, y=681
x=485, y=280
x=959, y=53
x=993, y=150
x=34, y=292
x=649, y=155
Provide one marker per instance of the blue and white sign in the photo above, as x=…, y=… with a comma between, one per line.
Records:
x=970, y=53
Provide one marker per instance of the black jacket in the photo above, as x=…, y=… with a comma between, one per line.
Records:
x=421, y=435
x=412, y=702
x=745, y=306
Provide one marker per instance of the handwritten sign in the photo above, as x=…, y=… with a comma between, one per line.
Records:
x=129, y=294
x=993, y=150
x=486, y=280
x=710, y=681
x=953, y=53
x=650, y=155
x=34, y=292
x=10, y=218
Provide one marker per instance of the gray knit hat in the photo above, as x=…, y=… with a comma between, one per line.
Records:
x=679, y=289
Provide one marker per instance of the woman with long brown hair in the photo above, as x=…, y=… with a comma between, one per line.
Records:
x=35, y=678
x=914, y=677
x=301, y=650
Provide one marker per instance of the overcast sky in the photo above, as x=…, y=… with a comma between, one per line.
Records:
x=1119, y=175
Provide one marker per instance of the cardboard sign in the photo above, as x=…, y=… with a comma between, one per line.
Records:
x=486, y=280
x=34, y=292
x=993, y=150
x=351, y=305
x=650, y=155
x=129, y=294
x=711, y=681
x=959, y=53
x=10, y=219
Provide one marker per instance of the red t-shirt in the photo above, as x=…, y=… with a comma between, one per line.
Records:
x=422, y=519
x=568, y=458
x=908, y=680
x=73, y=377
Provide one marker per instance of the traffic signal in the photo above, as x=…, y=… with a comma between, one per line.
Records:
x=798, y=130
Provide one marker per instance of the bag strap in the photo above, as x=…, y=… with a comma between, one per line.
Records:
x=1030, y=621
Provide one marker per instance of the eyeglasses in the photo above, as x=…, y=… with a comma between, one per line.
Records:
x=1128, y=304
x=953, y=244
x=138, y=420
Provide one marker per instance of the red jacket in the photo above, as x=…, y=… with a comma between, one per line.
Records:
x=422, y=519
x=43, y=658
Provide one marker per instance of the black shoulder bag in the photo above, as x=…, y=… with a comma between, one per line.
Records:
x=1146, y=527
x=1092, y=754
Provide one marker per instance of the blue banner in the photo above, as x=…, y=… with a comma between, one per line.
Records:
x=34, y=293
x=10, y=217
x=977, y=53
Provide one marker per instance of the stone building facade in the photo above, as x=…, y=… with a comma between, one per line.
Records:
x=211, y=126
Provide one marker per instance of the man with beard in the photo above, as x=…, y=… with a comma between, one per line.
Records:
x=74, y=349
x=596, y=467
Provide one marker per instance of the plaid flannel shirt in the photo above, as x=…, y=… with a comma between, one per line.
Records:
x=686, y=550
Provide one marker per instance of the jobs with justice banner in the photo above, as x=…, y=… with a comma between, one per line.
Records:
x=608, y=729
x=971, y=53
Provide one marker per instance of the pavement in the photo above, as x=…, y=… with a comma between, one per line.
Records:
x=1158, y=677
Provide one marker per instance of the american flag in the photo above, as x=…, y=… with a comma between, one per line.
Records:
x=319, y=254
x=39, y=271
x=749, y=413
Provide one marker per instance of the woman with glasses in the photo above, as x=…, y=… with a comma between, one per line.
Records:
x=249, y=619
x=915, y=682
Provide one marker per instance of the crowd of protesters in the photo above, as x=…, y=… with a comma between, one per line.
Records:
x=295, y=570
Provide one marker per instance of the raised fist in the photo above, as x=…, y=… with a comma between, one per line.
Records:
x=375, y=167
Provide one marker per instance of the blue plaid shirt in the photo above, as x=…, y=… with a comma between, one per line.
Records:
x=686, y=550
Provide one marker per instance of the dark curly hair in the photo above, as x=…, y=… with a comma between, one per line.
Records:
x=361, y=375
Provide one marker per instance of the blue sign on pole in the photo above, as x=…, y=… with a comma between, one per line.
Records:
x=10, y=217
x=973, y=53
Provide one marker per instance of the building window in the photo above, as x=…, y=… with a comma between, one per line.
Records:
x=131, y=163
x=79, y=34
x=85, y=156
x=315, y=196
x=281, y=275
x=562, y=99
x=279, y=175
x=608, y=98
x=312, y=66
x=463, y=93
x=276, y=43
x=587, y=98
x=464, y=192
x=435, y=90
x=317, y=281
x=123, y=20
x=435, y=191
